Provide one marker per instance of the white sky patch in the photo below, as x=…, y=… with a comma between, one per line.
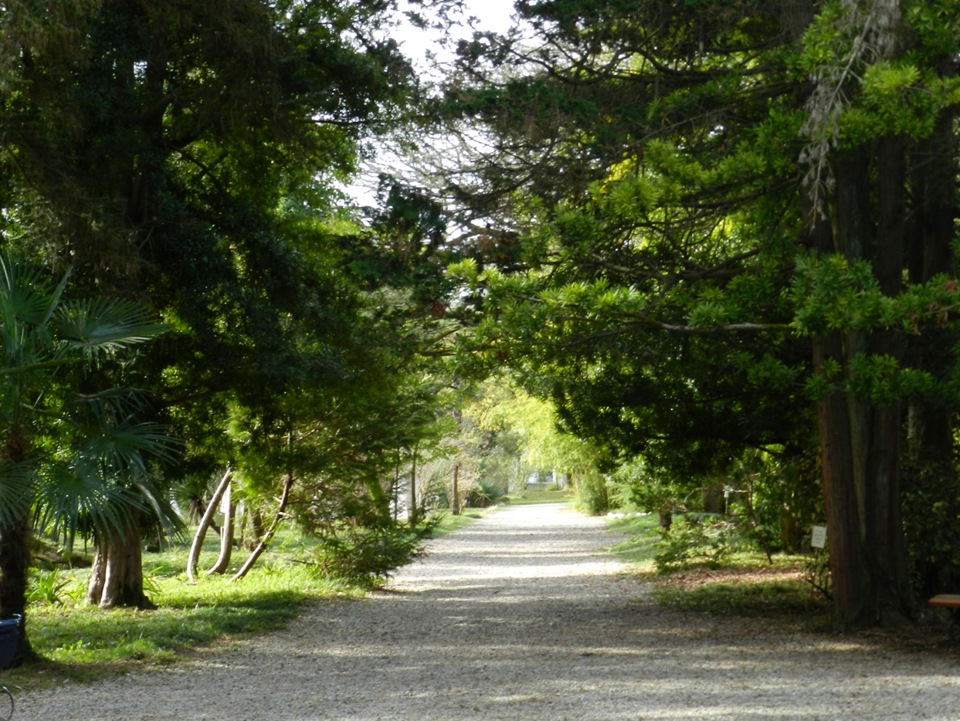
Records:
x=431, y=51
x=418, y=43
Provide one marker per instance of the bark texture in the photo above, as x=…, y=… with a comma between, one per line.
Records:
x=117, y=575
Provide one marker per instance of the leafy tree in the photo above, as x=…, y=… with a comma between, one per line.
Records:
x=186, y=156
x=705, y=191
x=74, y=455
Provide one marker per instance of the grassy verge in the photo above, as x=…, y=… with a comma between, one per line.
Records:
x=640, y=544
x=81, y=643
x=745, y=584
x=771, y=595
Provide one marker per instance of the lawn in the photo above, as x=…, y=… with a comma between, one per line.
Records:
x=78, y=642
x=745, y=582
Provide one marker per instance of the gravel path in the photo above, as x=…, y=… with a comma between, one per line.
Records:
x=521, y=616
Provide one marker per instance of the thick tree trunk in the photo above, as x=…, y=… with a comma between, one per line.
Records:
x=14, y=565
x=847, y=566
x=931, y=447
x=885, y=537
x=859, y=440
x=117, y=575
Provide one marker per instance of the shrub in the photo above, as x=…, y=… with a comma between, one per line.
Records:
x=699, y=540
x=816, y=573
x=366, y=556
x=51, y=588
x=484, y=495
x=592, y=494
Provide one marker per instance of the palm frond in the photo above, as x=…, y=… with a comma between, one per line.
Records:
x=128, y=447
x=16, y=491
x=25, y=295
x=105, y=325
x=118, y=402
x=98, y=472
x=75, y=496
x=161, y=507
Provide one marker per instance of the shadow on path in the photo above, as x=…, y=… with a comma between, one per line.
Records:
x=522, y=616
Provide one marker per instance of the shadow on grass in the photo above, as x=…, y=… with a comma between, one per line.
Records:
x=742, y=585
x=84, y=643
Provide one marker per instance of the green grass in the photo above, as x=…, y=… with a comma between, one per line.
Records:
x=744, y=584
x=80, y=642
x=640, y=546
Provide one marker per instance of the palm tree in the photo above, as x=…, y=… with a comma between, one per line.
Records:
x=70, y=455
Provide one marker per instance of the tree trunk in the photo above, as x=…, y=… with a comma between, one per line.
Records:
x=265, y=539
x=455, y=496
x=14, y=565
x=15, y=555
x=395, y=492
x=884, y=536
x=226, y=534
x=665, y=520
x=412, y=511
x=847, y=569
x=860, y=441
x=117, y=575
x=932, y=477
x=197, y=545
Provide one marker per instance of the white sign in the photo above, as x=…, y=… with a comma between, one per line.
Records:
x=818, y=537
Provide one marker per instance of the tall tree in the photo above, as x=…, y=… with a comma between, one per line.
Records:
x=698, y=181
x=72, y=453
x=180, y=154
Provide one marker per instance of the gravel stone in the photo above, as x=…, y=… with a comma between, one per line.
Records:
x=522, y=616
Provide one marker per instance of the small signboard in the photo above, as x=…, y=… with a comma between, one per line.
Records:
x=818, y=537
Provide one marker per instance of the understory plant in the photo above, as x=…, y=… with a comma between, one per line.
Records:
x=366, y=556
x=697, y=540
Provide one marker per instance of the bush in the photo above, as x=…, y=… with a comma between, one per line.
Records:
x=699, y=540
x=592, y=494
x=484, y=495
x=51, y=588
x=366, y=556
x=816, y=573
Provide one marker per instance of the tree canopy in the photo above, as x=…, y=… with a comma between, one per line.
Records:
x=189, y=160
x=689, y=239
x=728, y=239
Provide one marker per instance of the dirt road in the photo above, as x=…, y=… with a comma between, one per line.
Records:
x=522, y=617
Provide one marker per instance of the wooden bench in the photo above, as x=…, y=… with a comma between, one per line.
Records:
x=951, y=601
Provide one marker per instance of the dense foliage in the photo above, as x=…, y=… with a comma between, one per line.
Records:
x=732, y=228
x=186, y=160
x=688, y=255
